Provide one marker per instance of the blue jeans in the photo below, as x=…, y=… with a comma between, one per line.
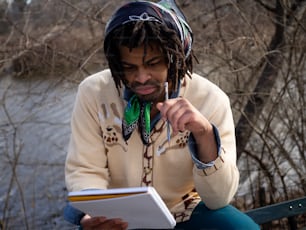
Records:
x=227, y=218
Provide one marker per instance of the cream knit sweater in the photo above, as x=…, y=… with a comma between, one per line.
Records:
x=98, y=156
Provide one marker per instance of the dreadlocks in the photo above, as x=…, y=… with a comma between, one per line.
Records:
x=137, y=33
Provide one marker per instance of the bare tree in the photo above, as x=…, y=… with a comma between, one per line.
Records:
x=254, y=50
x=285, y=15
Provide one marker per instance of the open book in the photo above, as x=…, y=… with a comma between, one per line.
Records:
x=141, y=207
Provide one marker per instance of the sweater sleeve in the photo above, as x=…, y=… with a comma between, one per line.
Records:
x=194, y=151
x=218, y=184
x=86, y=164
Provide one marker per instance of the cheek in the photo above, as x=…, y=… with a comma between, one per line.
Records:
x=127, y=79
x=161, y=73
x=164, y=75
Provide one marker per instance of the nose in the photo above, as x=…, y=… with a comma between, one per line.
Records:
x=142, y=75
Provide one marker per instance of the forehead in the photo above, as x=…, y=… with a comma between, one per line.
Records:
x=150, y=50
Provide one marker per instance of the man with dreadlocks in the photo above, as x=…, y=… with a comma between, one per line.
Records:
x=120, y=133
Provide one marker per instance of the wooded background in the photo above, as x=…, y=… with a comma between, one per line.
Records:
x=253, y=49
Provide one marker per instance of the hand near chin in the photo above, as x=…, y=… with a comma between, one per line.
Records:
x=102, y=223
x=182, y=116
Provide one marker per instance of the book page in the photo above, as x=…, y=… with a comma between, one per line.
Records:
x=141, y=208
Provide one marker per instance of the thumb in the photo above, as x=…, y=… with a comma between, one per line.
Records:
x=159, y=105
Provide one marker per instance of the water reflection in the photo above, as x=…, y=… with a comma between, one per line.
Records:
x=34, y=132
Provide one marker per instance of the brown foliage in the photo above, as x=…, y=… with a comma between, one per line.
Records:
x=253, y=49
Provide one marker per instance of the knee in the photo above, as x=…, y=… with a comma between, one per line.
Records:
x=232, y=218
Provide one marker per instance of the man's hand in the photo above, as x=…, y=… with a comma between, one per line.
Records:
x=182, y=116
x=102, y=223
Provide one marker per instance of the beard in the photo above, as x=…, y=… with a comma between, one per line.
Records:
x=155, y=96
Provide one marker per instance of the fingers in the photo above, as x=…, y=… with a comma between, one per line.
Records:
x=90, y=223
x=170, y=110
x=113, y=224
x=180, y=113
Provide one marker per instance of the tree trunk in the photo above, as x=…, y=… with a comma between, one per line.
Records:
x=261, y=92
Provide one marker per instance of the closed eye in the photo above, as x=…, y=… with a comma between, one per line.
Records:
x=155, y=62
x=128, y=67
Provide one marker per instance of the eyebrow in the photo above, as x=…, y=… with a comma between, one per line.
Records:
x=147, y=61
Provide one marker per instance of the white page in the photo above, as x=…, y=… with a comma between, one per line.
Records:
x=145, y=210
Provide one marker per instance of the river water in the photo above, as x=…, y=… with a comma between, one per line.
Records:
x=34, y=132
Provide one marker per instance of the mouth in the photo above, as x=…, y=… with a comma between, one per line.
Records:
x=145, y=90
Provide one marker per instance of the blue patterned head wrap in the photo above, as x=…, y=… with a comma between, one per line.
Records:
x=165, y=12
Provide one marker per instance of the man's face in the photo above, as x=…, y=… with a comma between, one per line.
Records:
x=145, y=73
